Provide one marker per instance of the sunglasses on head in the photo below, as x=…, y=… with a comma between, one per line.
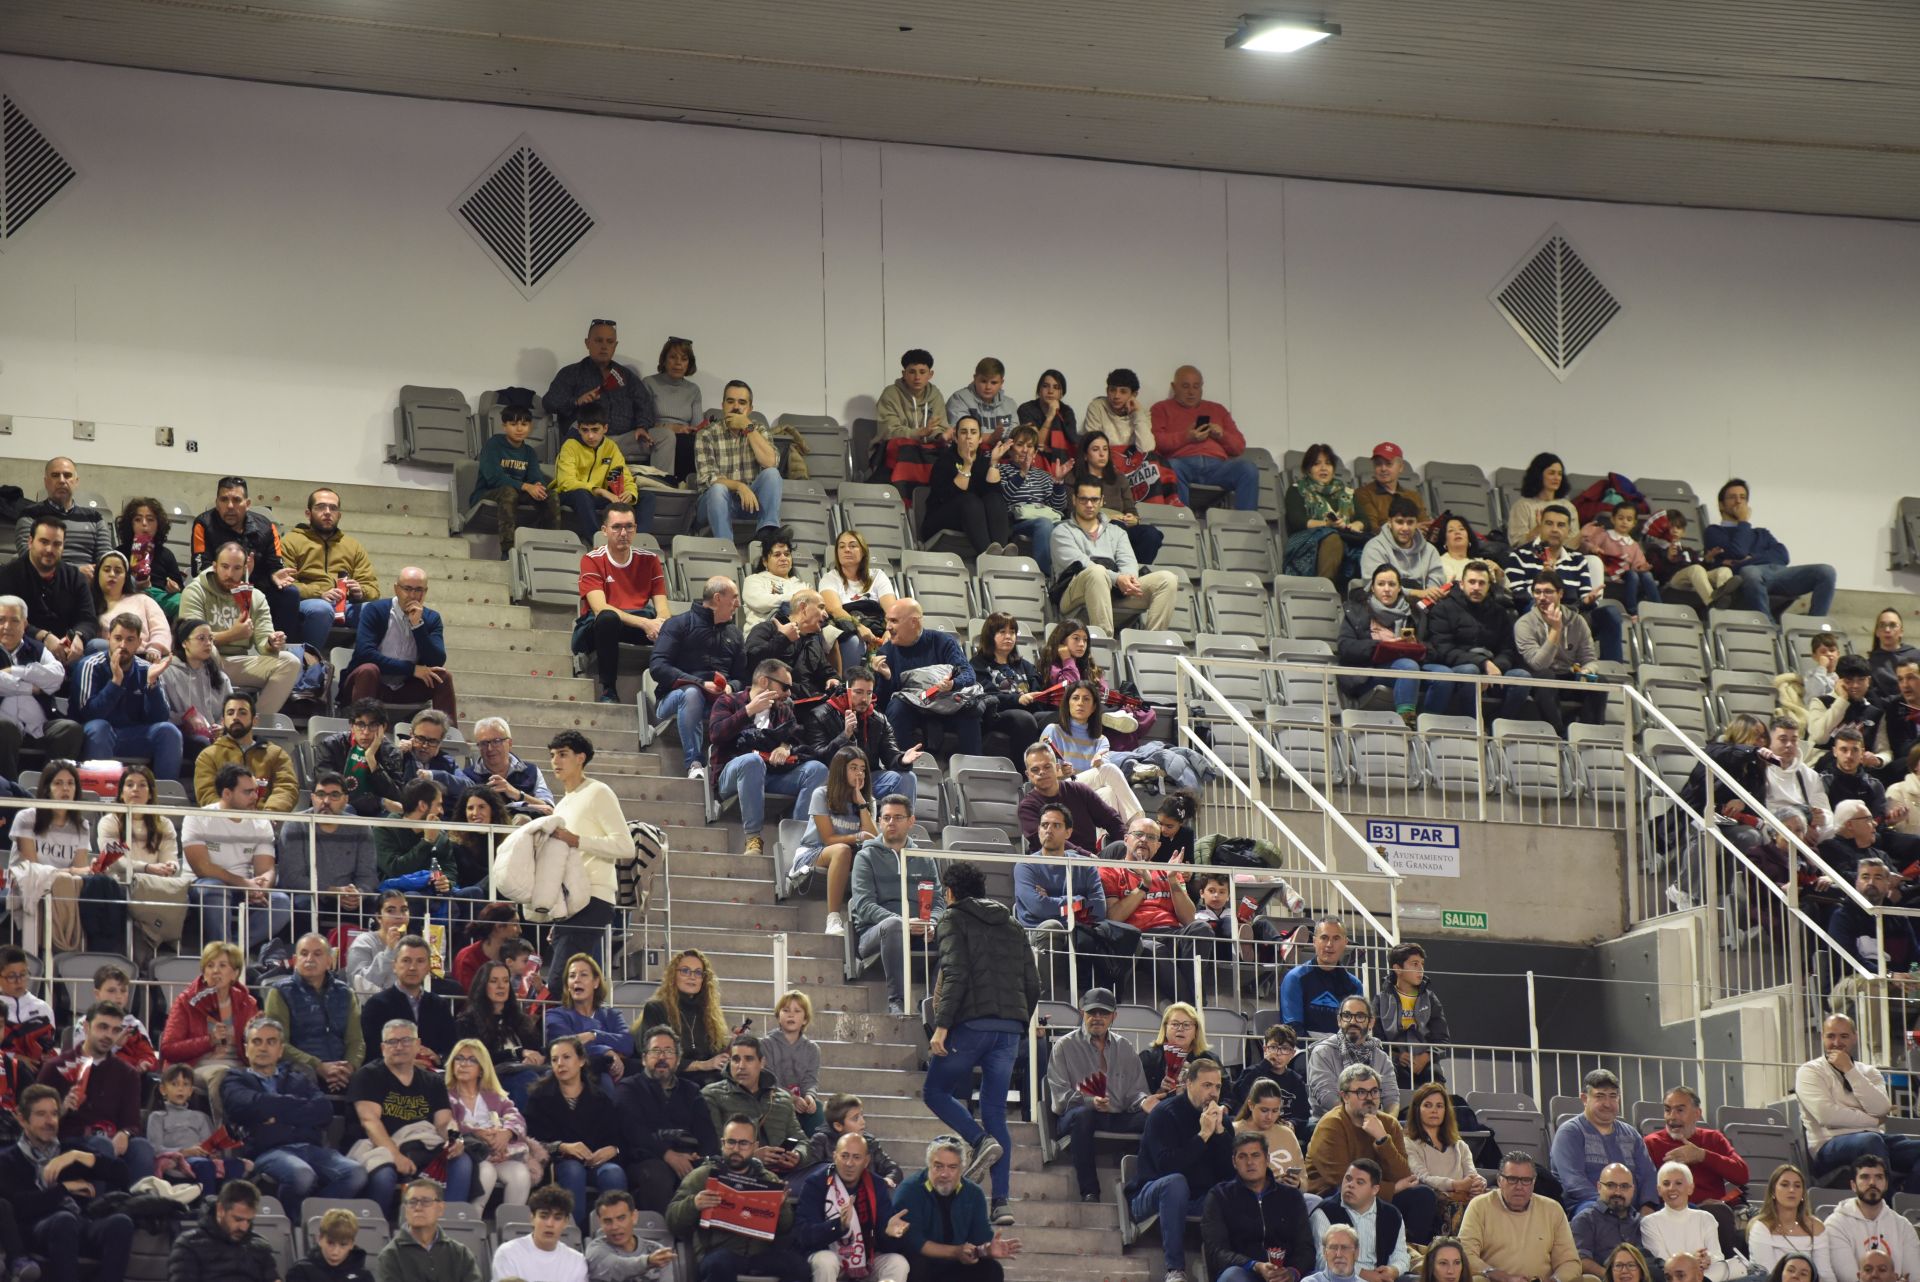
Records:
x=601, y=321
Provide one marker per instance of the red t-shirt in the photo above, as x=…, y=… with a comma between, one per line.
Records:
x=628, y=587
x=1155, y=912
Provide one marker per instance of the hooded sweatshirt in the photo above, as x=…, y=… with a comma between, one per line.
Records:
x=321, y=560
x=1850, y=1235
x=1419, y=565
x=205, y=599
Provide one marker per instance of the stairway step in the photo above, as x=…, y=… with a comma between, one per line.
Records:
x=563, y=687
x=550, y=646
x=617, y=719
x=463, y=615
x=426, y=540
x=756, y=919
x=529, y=655
x=717, y=861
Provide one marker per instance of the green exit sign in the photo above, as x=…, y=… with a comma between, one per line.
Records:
x=1461, y=919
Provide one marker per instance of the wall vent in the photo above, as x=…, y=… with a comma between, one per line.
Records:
x=32, y=170
x=524, y=217
x=1555, y=303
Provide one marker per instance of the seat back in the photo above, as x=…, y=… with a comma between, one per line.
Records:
x=1150, y=659
x=1533, y=763
x=433, y=427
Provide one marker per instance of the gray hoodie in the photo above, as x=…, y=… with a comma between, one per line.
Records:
x=996, y=415
x=1851, y=1235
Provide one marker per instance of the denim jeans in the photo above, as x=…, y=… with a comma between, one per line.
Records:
x=749, y=777
x=1901, y=1153
x=688, y=706
x=993, y=1054
x=722, y=507
x=382, y=1182
x=139, y=1158
x=1039, y=531
x=884, y=939
x=304, y=1169
x=1451, y=698
x=162, y=743
x=1637, y=586
x=218, y=902
x=1760, y=582
x=1405, y=690
x=1167, y=1197
x=316, y=621
x=888, y=782
x=1079, y=1124
x=910, y=726
x=1236, y=474
x=572, y=1175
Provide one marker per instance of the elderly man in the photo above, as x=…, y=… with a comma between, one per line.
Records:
x=1340, y=1256
x=421, y=1250
x=736, y=469
x=697, y=655
x=844, y=1219
x=1204, y=444
x=756, y=748
x=597, y=378
x=1370, y=501
x=948, y=1237
x=1857, y=930
x=1096, y=1085
x=1354, y=1044
x=1358, y=1128
x=280, y=1118
x=1154, y=901
x=1311, y=993
x=1094, y=822
x=400, y=650
x=61, y=615
x=623, y=598
x=1512, y=1236
x=518, y=783
x=797, y=642
x=1594, y=1137
x=229, y=848
x=252, y=651
x=1186, y=1149
x=31, y=673
x=1845, y=1105
x=922, y=671
x=232, y=519
x=89, y=531
x=1609, y=1223
x=123, y=710
x=331, y=570
x=394, y=1095
x=321, y=1015
x=1094, y=564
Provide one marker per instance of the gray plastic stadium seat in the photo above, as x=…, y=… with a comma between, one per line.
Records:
x=1669, y=635
x=1310, y=609
x=1273, y=487
x=693, y=559
x=1379, y=750
x=546, y=568
x=1604, y=773
x=1014, y=585
x=877, y=512
x=1796, y=640
x=1304, y=689
x=1906, y=535
x=1679, y=693
x=432, y=426
x=1744, y=641
x=940, y=583
x=543, y=436
x=1236, y=603
x=1240, y=541
x=1449, y=753
x=985, y=791
x=806, y=510
x=464, y=514
x=826, y=441
x=1533, y=762
x=1732, y=693
x=1151, y=659
x=1299, y=734
x=1182, y=530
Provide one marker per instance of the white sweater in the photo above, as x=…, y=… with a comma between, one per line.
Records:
x=1667, y=1233
x=1765, y=1246
x=592, y=813
x=1851, y=1235
x=1832, y=1108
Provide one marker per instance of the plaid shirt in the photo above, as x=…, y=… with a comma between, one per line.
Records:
x=720, y=454
x=629, y=405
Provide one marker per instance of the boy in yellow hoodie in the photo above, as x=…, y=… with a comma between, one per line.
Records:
x=590, y=473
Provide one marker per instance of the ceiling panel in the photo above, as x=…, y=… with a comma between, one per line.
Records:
x=1759, y=104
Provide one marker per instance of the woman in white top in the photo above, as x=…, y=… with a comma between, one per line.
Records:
x=1678, y=1229
x=1438, y=1157
x=52, y=834
x=1786, y=1224
x=1456, y=547
x=1545, y=481
x=113, y=577
x=772, y=582
x=592, y=822
x=154, y=846
x=852, y=578
x=842, y=816
x=1260, y=1114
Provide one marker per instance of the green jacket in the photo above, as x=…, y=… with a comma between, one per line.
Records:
x=770, y=1107
x=986, y=967
x=404, y=1260
x=683, y=1217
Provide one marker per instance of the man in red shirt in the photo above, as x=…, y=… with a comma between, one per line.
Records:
x=623, y=598
x=1719, y=1174
x=1201, y=440
x=1151, y=899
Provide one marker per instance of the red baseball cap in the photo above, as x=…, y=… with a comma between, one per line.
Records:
x=1387, y=449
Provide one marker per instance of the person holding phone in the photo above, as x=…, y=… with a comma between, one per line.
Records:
x=1204, y=444
x=748, y=1090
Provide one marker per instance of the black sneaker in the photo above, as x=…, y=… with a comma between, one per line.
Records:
x=1089, y=1197
x=1003, y=1213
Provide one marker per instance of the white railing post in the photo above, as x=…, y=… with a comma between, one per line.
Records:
x=1533, y=1044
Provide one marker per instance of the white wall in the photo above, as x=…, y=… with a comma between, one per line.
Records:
x=261, y=267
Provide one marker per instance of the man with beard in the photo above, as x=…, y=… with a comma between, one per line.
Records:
x=719, y=1254
x=948, y=1237
x=845, y=1221
x=1855, y=929
x=252, y=650
x=232, y=519
x=1469, y=632
x=223, y=1245
x=1845, y=1105
x=797, y=642
x=1610, y=1222
x=101, y=1104
x=331, y=570
x=57, y=598
x=1113, y=1100
x=1865, y=1223
x=1355, y=1044
x=1358, y=1128
x=664, y=1122
x=849, y=719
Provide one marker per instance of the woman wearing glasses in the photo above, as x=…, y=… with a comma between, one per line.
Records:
x=688, y=1002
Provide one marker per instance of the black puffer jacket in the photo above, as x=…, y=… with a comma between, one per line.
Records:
x=207, y=1253
x=314, y=1268
x=1458, y=631
x=986, y=966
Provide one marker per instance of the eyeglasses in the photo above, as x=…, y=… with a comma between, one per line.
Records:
x=330, y=794
x=691, y=972
x=465, y=1059
x=1365, y=1094
x=399, y=1041
x=1518, y=1181
x=737, y=1143
x=614, y=324
x=489, y=743
x=420, y=742
x=1354, y=1017
x=423, y=1202
x=368, y=725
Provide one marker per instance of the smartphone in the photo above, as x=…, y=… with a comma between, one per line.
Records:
x=1204, y=420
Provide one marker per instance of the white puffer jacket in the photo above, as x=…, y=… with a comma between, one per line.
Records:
x=545, y=876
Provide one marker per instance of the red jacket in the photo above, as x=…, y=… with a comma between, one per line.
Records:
x=1721, y=1176
x=186, y=1040
x=1173, y=424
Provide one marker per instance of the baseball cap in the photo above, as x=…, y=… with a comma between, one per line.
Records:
x=1097, y=999
x=1387, y=449
x=1850, y=810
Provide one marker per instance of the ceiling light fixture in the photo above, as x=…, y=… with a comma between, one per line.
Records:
x=1260, y=34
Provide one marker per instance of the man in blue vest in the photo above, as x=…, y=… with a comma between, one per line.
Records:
x=1382, y=1234
x=321, y=1016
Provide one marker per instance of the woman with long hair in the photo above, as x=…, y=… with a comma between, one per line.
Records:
x=1787, y=1225
x=482, y=1111
x=1437, y=1155
x=1066, y=657
x=1545, y=481
x=1889, y=651
x=1792, y=1267
x=857, y=595
x=1371, y=632
x=772, y=583
x=688, y=1002
x=1319, y=511
x=1049, y=414
x=1183, y=1036
x=570, y=1115
x=1455, y=538
x=196, y=686
x=51, y=833
x=841, y=817
x=1096, y=467
x=142, y=528
x=1085, y=751
x=1011, y=685
x=152, y=844
x=113, y=582
x=964, y=493
x=1445, y=1261
x=1627, y=1263
x=1262, y=1113
x=581, y=1012
x=494, y=1019
x=472, y=853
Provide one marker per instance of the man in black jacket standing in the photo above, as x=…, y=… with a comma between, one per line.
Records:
x=1469, y=631
x=1254, y=1226
x=664, y=1123
x=986, y=989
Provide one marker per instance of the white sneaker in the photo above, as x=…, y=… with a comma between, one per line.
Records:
x=836, y=924
x=1678, y=897
x=696, y=771
x=1122, y=722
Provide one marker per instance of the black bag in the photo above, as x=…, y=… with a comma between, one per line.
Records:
x=103, y=912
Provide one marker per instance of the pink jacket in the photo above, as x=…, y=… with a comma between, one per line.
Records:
x=1616, y=551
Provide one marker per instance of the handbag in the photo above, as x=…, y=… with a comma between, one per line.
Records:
x=1385, y=652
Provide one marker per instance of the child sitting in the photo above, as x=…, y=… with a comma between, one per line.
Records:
x=183, y=1137
x=591, y=473
x=1677, y=567
x=1628, y=574
x=1817, y=679
x=794, y=1058
x=110, y=984
x=510, y=475
x=529, y=984
x=1065, y=659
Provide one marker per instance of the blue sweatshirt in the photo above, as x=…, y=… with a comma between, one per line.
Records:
x=1040, y=893
x=1743, y=543
x=121, y=704
x=1310, y=998
x=932, y=647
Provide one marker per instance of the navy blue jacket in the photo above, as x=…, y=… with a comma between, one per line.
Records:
x=1171, y=1145
x=293, y=1112
x=435, y=1020
x=813, y=1231
x=1743, y=543
x=691, y=647
x=429, y=640
x=933, y=647
x=121, y=704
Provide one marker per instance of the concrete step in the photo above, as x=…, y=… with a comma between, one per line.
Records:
x=756, y=892
x=530, y=641
x=1035, y=1265
x=741, y=919
x=694, y=862
x=725, y=937
x=463, y=615
x=426, y=540
x=532, y=659
x=562, y=687
x=366, y=525
x=825, y=989
x=456, y=566
x=616, y=719
x=1099, y=1242
x=287, y=498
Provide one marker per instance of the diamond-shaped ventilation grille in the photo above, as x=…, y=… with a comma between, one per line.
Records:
x=1555, y=302
x=524, y=217
x=32, y=173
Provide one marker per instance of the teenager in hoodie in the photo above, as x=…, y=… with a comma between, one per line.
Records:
x=1865, y=1222
x=335, y=1256
x=1407, y=1016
